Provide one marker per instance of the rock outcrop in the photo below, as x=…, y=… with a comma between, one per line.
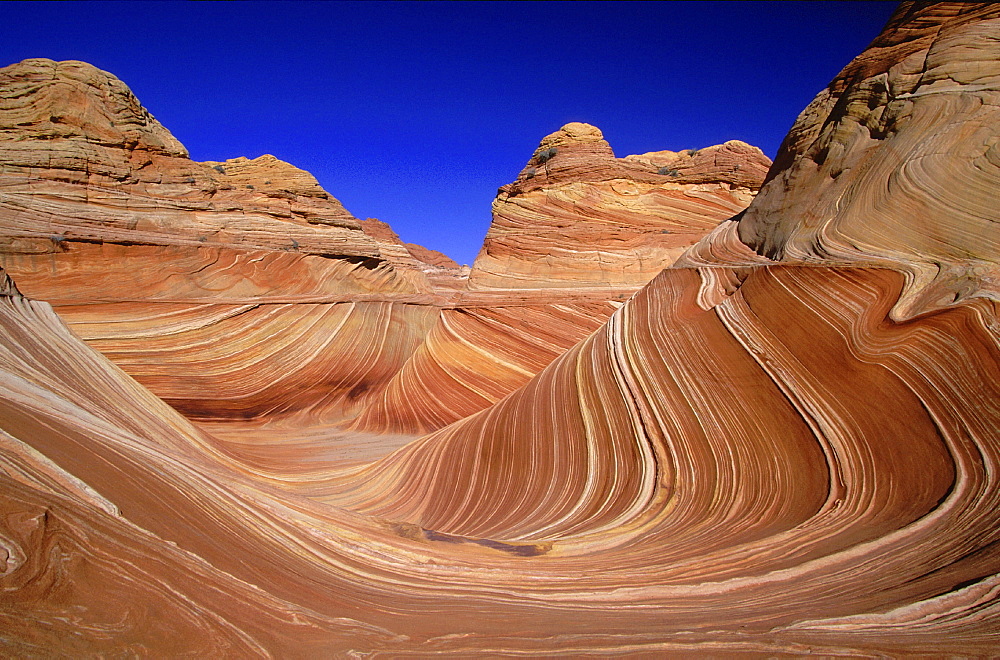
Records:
x=258, y=275
x=784, y=444
x=576, y=216
x=429, y=267
x=89, y=180
x=92, y=185
x=897, y=162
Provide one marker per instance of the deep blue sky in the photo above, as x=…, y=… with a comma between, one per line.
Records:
x=415, y=113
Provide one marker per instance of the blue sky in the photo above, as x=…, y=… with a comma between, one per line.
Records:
x=415, y=113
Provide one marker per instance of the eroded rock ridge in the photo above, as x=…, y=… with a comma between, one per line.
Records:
x=784, y=444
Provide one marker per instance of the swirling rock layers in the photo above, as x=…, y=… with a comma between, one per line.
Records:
x=786, y=444
x=897, y=161
x=92, y=185
x=475, y=356
x=715, y=520
x=189, y=275
x=84, y=166
x=391, y=367
x=577, y=216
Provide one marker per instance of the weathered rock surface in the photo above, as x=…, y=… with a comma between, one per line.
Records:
x=429, y=268
x=432, y=257
x=775, y=448
x=377, y=366
x=93, y=185
x=898, y=161
x=88, y=177
x=473, y=357
x=257, y=361
x=578, y=217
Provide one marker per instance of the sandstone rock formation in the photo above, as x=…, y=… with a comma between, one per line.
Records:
x=378, y=366
x=91, y=185
x=785, y=444
x=254, y=269
x=434, y=268
x=896, y=163
x=473, y=357
x=90, y=181
x=576, y=216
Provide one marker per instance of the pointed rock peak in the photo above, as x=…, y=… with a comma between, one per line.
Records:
x=572, y=133
x=576, y=150
x=7, y=286
x=574, y=137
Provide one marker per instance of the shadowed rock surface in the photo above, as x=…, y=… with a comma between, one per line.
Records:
x=785, y=444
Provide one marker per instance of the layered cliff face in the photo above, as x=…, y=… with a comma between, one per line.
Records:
x=765, y=451
x=424, y=264
x=897, y=162
x=253, y=269
x=90, y=181
x=578, y=217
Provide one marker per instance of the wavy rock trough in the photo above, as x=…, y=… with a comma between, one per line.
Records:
x=785, y=444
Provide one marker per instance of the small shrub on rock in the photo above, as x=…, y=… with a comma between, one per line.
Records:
x=547, y=155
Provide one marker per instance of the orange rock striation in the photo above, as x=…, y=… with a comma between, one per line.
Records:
x=249, y=284
x=576, y=216
x=783, y=446
x=473, y=357
x=90, y=182
x=895, y=163
x=435, y=268
x=253, y=269
x=378, y=366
